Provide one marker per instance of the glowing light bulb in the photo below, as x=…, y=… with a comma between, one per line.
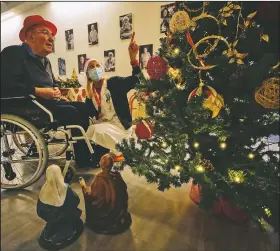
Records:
x=195, y=144
x=177, y=167
x=176, y=51
x=237, y=179
x=200, y=168
x=164, y=144
x=251, y=156
x=267, y=211
x=223, y=145
x=153, y=94
x=180, y=86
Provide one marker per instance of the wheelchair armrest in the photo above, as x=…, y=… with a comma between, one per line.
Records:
x=29, y=97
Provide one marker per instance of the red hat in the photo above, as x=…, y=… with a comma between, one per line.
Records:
x=34, y=20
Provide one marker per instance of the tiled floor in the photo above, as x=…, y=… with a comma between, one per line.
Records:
x=161, y=222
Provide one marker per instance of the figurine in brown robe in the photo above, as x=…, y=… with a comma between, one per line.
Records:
x=106, y=201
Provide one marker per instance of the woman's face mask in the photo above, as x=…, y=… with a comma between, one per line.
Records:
x=95, y=74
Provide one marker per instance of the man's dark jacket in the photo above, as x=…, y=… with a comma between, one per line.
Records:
x=21, y=72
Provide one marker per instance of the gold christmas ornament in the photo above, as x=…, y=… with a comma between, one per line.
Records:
x=214, y=102
x=175, y=74
x=210, y=47
x=268, y=94
x=180, y=22
x=205, y=40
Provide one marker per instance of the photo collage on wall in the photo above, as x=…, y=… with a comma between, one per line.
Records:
x=126, y=30
x=167, y=12
x=145, y=53
x=61, y=67
x=92, y=34
x=81, y=62
x=69, y=37
x=109, y=60
x=126, y=26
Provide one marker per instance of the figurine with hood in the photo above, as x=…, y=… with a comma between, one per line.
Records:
x=58, y=206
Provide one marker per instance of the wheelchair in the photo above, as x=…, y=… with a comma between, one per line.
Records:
x=30, y=138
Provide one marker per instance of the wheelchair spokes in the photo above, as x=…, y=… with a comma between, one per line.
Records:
x=57, y=142
x=22, y=154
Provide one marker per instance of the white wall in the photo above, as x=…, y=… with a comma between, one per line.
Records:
x=77, y=15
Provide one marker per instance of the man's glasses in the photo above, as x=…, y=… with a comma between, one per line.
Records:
x=47, y=33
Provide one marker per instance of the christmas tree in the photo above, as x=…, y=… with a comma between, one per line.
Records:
x=69, y=82
x=213, y=100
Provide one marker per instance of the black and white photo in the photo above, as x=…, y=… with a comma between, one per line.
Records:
x=145, y=53
x=69, y=37
x=126, y=26
x=92, y=34
x=61, y=67
x=81, y=62
x=167, y=12
x=109, y=62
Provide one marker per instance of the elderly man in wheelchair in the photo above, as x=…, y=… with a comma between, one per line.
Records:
x=25, y=71
x=37, y=125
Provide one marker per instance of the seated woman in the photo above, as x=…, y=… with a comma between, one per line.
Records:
x=106, y=201
x=58, y=206
x=107, y=103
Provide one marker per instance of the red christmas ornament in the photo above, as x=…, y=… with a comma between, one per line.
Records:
x=157, y=67
x=144, y=130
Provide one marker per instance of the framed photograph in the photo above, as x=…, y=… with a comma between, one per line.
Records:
x=92, y=34
x=167, y=12
x=145, y=53
x=61, y=67
x=126, y=26
x=109, y=60
x=69, y=37
x=81, y=62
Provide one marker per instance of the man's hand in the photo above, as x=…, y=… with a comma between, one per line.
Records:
x=48, y=93
x=133, y=49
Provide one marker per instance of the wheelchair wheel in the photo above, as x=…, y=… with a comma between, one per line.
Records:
x=18, y=169
x=56, y=140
